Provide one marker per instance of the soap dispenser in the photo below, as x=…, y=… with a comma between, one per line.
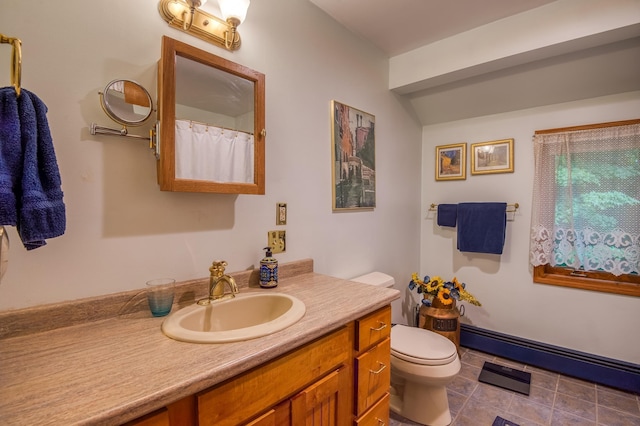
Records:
x=268, y=270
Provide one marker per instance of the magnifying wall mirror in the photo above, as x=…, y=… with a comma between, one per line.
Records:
x=211, y=113
x=127, y=103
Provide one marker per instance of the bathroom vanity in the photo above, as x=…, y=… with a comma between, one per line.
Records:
x=331, y=365
x=313, y=382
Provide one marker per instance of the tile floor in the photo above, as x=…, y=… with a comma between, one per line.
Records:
x=555, y=400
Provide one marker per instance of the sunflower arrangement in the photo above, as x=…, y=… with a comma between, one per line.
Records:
x=445, y=292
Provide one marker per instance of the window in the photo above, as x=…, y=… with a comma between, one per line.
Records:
x=585, y=224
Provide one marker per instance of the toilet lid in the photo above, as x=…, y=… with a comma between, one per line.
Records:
x=421, y=346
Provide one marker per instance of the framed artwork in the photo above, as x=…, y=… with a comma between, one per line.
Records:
x=451, y=162
x=492, y=157
x=353, y=146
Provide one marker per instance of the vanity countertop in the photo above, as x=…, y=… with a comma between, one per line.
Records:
x=120, y=368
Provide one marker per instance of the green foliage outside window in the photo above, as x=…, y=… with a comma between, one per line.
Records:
x=602, y=183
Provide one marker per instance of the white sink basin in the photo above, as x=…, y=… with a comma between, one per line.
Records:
x=244, y=317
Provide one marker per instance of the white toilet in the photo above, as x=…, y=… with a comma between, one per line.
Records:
x=422, y=364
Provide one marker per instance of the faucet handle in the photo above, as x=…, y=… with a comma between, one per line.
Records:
x=217, y=268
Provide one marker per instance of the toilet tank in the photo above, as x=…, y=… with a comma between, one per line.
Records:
x=378, y=279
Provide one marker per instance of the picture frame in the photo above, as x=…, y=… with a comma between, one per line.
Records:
x=492, y=157
x=451, y=162
x=353, y=168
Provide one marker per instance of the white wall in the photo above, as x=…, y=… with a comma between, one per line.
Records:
x=122, y=230
x=592, y=322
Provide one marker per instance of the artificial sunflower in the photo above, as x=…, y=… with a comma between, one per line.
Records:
x=444, y=296
x=434, y=285
x=456, y=283
x=444, y=291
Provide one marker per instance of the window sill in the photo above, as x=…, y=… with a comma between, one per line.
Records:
x=628, y=285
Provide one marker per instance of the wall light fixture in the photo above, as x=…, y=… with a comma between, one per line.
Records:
x=186, y=15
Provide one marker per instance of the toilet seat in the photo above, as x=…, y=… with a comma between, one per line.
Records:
x=420, y=346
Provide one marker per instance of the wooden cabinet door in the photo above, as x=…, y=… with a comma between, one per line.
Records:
x=280, y=415
x=267, y=419
x=325, y=403
x=157, y=418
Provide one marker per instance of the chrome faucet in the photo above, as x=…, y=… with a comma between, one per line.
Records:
x=217, y=282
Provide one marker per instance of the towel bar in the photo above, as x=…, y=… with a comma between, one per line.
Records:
x=515, y=206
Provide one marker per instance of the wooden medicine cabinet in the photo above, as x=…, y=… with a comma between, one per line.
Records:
x=211, y=123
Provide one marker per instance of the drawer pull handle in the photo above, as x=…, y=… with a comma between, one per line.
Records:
x=380, y=422
x=379, y=370
x=382, y=327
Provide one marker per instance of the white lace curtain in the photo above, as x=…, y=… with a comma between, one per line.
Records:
x=586, y=200
x=213, y=154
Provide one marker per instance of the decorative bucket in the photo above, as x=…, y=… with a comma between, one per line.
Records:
x=442, y=319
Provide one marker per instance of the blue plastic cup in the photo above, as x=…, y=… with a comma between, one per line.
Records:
x=160, y=296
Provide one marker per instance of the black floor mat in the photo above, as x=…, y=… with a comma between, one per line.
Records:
x=505, y=377
x=499, y=421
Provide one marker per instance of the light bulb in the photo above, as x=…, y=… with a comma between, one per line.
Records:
x=234, y=9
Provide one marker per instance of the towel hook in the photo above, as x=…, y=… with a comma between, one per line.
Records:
x=16, y=61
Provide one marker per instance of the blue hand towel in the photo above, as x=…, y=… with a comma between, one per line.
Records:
x=42, y=211
x=481, y=227
x=10, y=156
x=447, y=215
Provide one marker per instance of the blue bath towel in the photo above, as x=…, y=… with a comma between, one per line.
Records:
x=447, y=215
x=481, y=227
x=31, y=168
x=10, y=156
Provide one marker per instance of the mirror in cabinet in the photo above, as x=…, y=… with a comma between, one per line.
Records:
x=212, y=123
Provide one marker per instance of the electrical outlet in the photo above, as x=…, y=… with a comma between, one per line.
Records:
x=281, y=214
x=277, y=241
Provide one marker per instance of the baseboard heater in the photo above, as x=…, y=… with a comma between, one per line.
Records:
x=606, y=371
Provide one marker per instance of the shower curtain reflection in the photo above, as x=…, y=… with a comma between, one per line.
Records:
x=212, y=153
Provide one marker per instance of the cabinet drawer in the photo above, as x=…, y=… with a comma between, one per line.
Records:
x=373, y=328
x=378, y=415
x=373, y=375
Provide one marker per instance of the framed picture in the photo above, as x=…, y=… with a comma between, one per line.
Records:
x=451, y=162
x=492, y=157
x=353, y=146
